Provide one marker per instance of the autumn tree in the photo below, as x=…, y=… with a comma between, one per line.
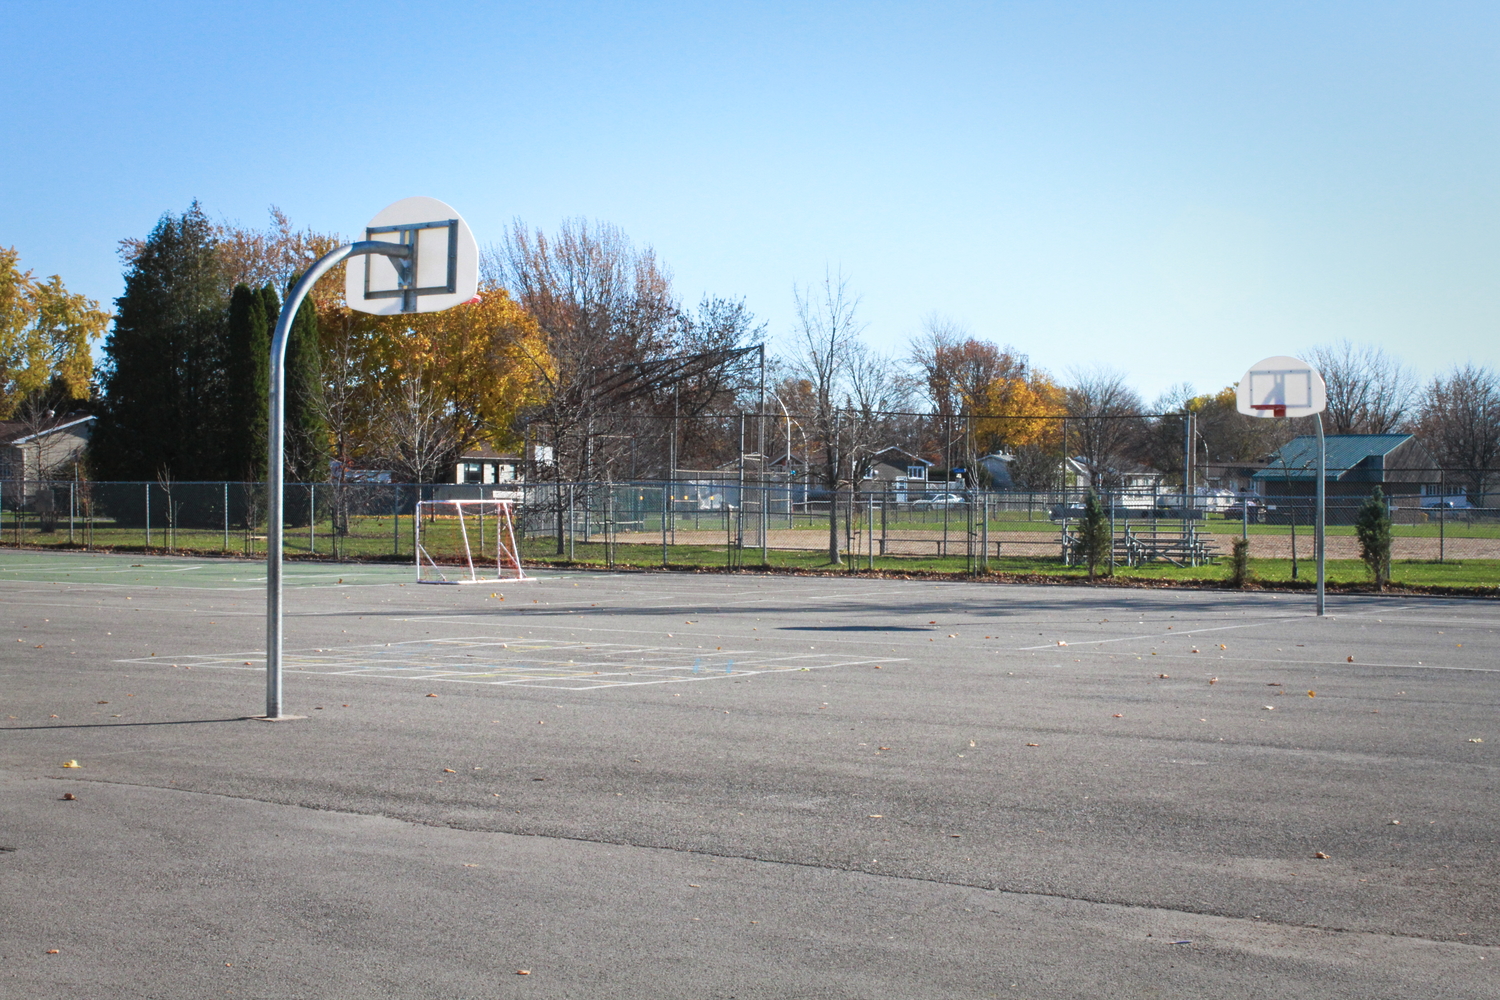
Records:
x=45, y=333
x=1101, y=411
x=878, y=392
x=986, y=398
x=1369, y=391
x=1458, y=418
x=823, y=352
x=272, y=257
x=408, y=393
x=601, y=304
x=1224, y=436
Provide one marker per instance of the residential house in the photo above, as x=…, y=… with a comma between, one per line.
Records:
x=37, y=450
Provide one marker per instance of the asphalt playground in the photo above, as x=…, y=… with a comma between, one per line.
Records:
x=699, y=785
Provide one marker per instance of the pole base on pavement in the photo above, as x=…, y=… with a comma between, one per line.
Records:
x=276, y=718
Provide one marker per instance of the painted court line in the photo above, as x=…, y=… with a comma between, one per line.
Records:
x=516, y=660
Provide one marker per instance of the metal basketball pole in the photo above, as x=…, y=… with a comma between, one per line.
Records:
x=1322, y=498
x=275, y=451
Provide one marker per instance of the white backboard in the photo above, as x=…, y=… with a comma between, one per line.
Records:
x=443, y=271
x=1281, y=387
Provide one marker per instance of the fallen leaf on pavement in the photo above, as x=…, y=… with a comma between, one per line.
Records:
x=70, y=763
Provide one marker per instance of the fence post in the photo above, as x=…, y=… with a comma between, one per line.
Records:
x=226, y=515
x=72, y=509
x=984, y=531
x=148, y=515
x=312, y=520
x=1442, y=523
x=395, y=520
x=1110, y=498
x=885, y=507
x=666, y=502
x=571, y=516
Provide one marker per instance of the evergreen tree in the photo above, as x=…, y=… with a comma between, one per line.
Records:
x=1372, y=525
x=248, y=379
x=1094, y=537
x=306, y=425
x=162, y=376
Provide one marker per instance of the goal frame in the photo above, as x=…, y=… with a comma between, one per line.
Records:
x=507, y=553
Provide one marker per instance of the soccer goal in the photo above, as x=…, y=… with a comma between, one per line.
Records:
x=467, y=541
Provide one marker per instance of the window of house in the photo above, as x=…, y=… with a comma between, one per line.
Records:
x=473, y=472
x=916, y=472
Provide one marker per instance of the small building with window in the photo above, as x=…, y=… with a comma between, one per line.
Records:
x=896, y=469
x=47, y=448
x=482, y=465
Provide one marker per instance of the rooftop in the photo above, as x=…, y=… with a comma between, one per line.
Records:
x=1298, y=458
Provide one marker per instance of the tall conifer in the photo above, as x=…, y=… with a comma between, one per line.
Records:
x=306, y=426
x=248, y=376
x=162, y=377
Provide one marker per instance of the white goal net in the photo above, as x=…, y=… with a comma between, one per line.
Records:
x=467, y=541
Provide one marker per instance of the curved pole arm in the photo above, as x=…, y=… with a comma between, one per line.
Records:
x=275, y=441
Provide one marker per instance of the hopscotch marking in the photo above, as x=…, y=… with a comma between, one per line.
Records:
x=550, y=663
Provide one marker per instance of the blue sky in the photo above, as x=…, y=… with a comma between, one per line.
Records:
x=1172, y=189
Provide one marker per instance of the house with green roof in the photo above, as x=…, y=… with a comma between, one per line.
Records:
x=1355, y=465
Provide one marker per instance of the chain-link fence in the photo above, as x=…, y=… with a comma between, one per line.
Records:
x=740, y=522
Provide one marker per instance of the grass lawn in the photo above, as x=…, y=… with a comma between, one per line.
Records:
x=385, y=540
x=1469, y=573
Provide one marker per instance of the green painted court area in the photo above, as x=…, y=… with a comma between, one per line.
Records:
x=188, y=573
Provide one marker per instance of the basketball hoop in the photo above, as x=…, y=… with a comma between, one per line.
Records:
x=1290, y=387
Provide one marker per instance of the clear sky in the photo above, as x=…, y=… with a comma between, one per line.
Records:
x=1174, y=189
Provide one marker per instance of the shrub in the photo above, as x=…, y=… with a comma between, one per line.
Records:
x=1239, y=562
x=1372, y=525
x=1094, y=537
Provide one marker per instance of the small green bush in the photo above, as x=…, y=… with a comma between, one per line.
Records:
x=1372, y=525
x=1239, y=562
x=1094, y=538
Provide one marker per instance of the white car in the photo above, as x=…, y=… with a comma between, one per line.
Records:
x=941, y=500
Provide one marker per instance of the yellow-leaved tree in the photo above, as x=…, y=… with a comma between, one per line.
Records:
x=410, y=392
x=1020, y=412
x=45, y=332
